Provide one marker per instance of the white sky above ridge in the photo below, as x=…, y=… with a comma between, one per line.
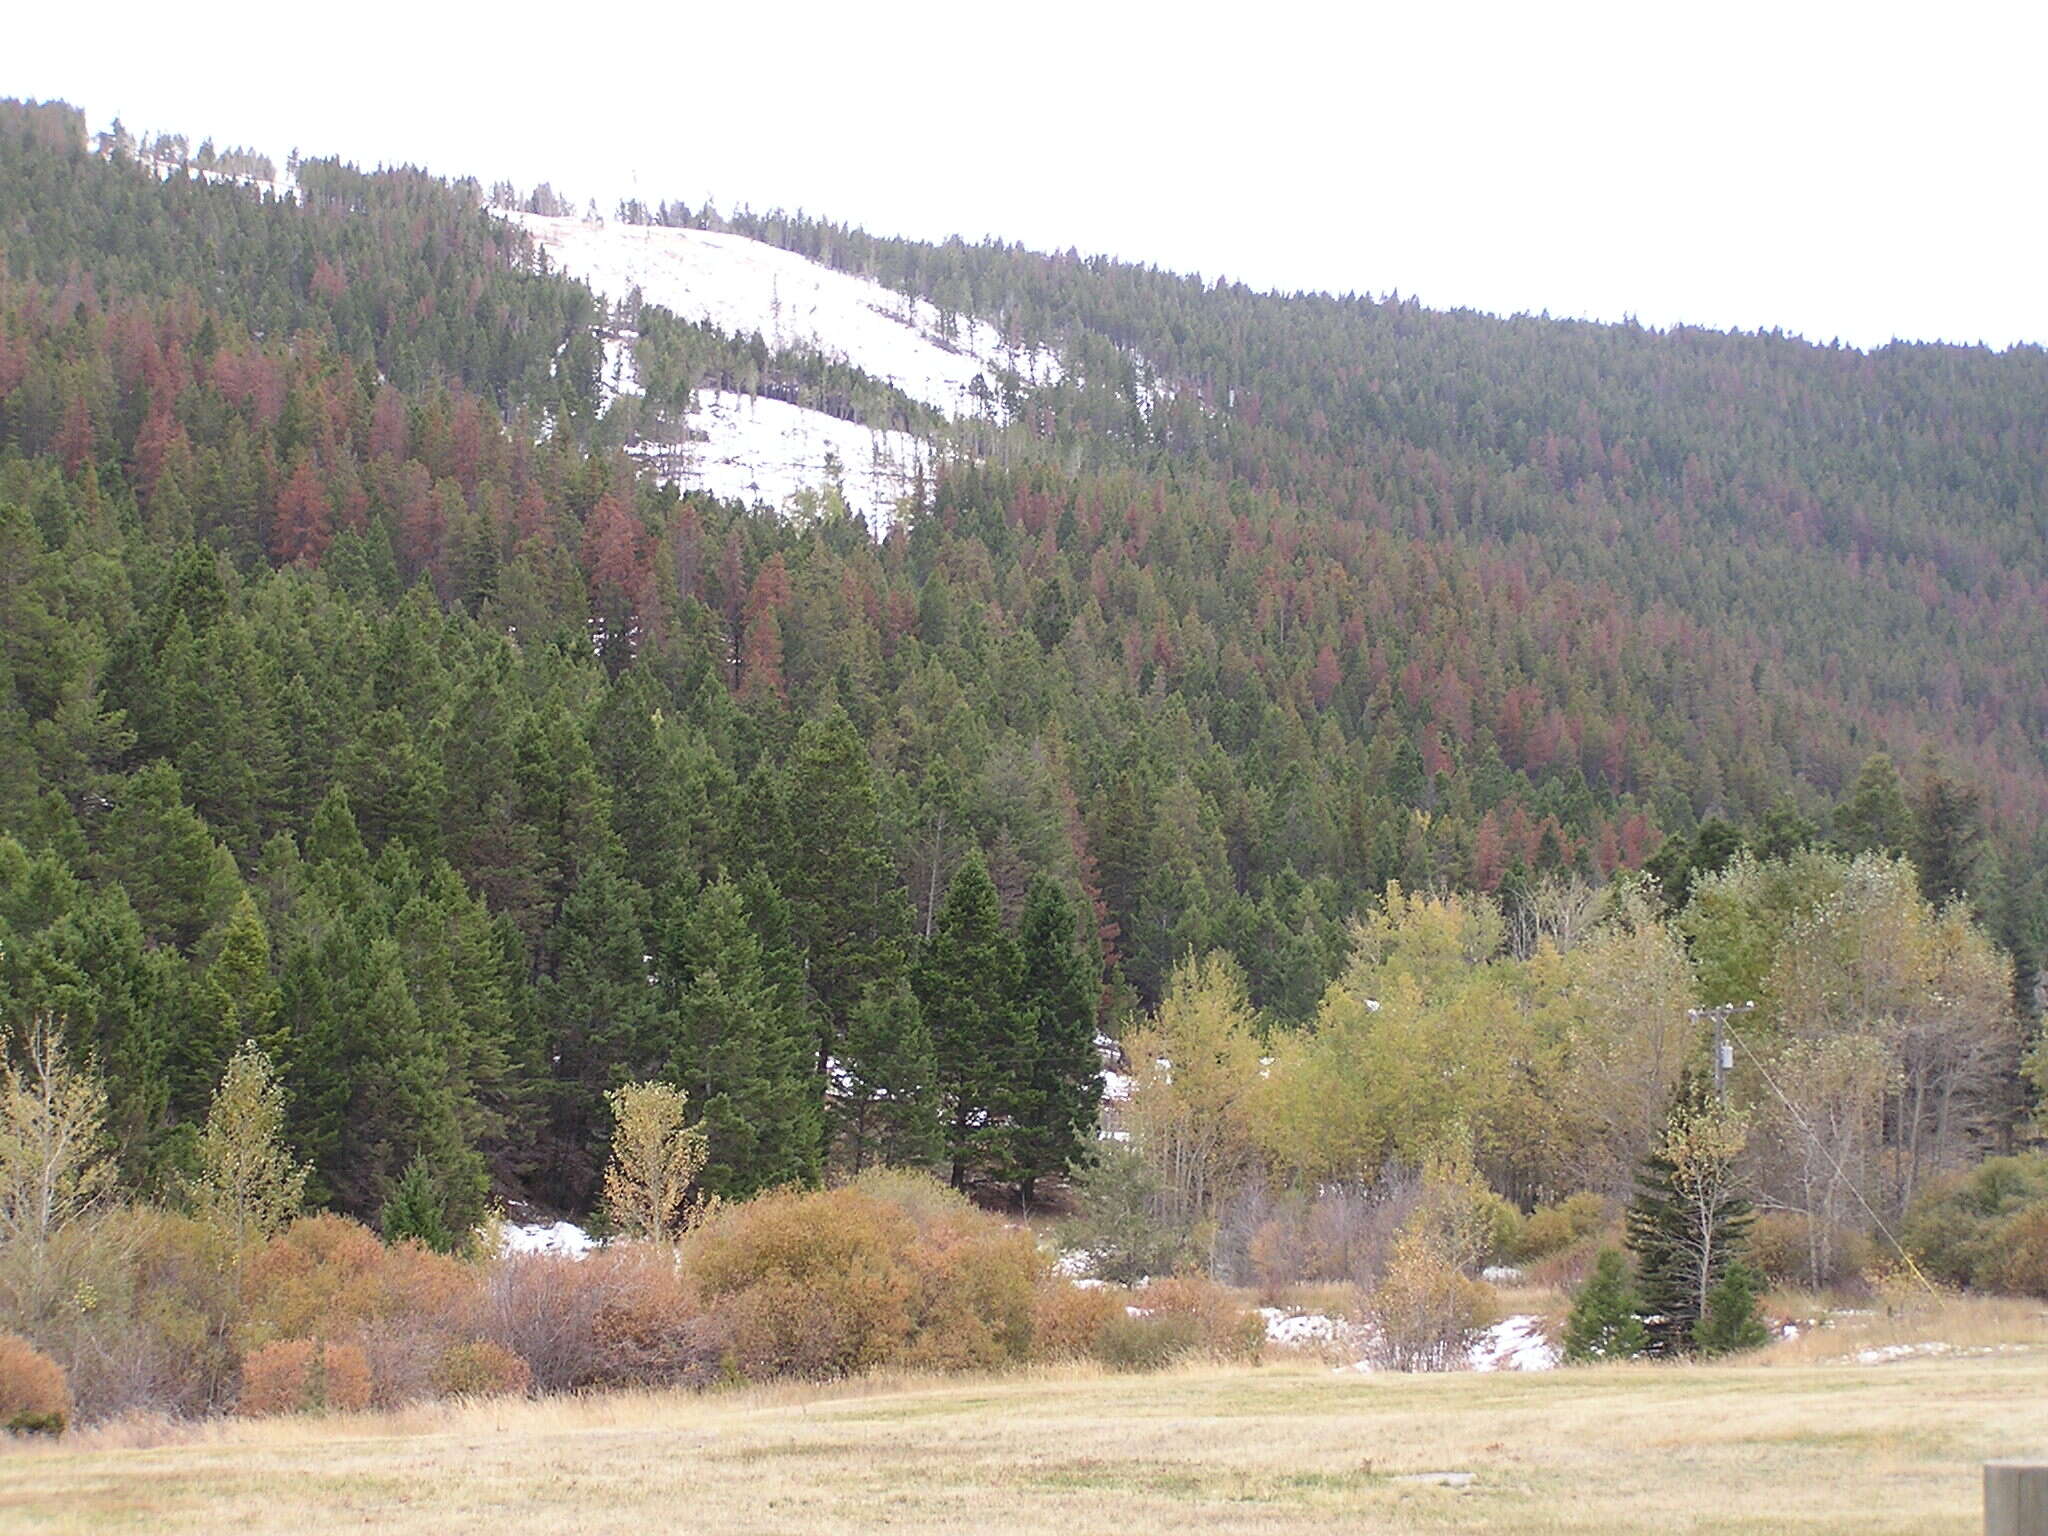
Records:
x=1834, y=170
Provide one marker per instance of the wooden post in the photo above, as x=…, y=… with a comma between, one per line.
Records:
x=2016, y=1498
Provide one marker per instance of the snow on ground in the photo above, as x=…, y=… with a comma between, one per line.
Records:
x=1885, y=1354
x=1515, y=1344
x=753, y=448
x=616, y=375
x=742, y=286
x=563, y=1237
x=1075, y=1263
x=1305, y=1330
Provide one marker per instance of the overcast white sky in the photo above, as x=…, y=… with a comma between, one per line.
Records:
x=1846, y=171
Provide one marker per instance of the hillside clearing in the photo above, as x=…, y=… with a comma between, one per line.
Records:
x=1813, y=1448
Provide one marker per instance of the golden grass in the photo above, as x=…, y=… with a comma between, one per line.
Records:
x=1907, y=1321
x=1780, y=1446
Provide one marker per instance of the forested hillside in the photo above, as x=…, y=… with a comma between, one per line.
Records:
x=364, y=696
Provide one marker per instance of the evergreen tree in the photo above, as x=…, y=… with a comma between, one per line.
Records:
x=1948, y=836
x=1058, y=1093
x=233, y=1001
x=966, y=983
x=884, y=1102
x=1732, y=1322
x=741, y=1051
x=1606, y=1317
x=1688, y=1221
x=848, y=910
x=413, y=1211
x=1874, y=817
x=179, y=880
x=595, y=1009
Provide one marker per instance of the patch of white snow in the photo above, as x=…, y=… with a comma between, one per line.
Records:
x=1515, y=1344
x=751, y=448
x=562, y=1237
x=742, y=286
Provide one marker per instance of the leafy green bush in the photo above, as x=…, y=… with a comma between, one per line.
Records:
x=1148, y=1342
x=1120, y=1227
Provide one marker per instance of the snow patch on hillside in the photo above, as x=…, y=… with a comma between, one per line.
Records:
x=742, y=286
x=750, y=448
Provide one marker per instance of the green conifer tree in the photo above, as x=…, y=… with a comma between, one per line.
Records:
x=1874, y=817
x=414, y=1210
x=1057, y=1097
x=740, y=1051
x=966, y=986
x=848, y=911
x=885, y=1107
x=1732, y=1321
x=1688, y=1220
x=1606, y=1317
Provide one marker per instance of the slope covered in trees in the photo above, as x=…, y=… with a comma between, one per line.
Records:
x=362, y=697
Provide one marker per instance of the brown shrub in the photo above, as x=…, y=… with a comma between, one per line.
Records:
x=304, y=1376
x=398, y=1306
x=648, y=1328
x=33, y=1396
x=1782, y=1249
x=1277, y=1252
x=480, y=1368
x=1067, y=1320
x=2022, y=1265
x=807, y=1284
x=891, y=1268
x=543, y=1307
x=1223, y=1325
x=623, y=1316
x=1553, y=1228
x=135, y=1306
x=326, y=1273
x=1425, y=1310
x=975, y=1285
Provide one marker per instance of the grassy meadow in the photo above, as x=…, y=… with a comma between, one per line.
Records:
x=1787, y=1444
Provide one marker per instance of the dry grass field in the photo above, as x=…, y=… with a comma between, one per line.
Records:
x=1786, y=1445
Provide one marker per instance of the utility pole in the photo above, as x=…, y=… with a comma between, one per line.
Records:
x=1724, y=1048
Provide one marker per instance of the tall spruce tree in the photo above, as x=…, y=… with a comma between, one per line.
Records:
x=1948, y=836
x=1874, y=817
x=1689, y=1220
x=885, y=1091
x=593, y=1006
x=966, y=983
x=849, y=913
x=740, y=1048
x=1056, y=1097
